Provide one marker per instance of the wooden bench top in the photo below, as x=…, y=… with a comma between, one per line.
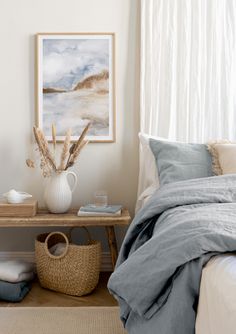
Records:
x=45, y=219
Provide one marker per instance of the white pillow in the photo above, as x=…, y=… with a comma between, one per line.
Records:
x=148, y=175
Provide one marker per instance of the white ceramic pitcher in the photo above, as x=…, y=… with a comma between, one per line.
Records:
x=58, y=194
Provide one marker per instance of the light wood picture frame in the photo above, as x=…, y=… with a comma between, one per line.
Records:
x=75, y=84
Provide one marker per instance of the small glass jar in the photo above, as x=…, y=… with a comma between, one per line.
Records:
x=100, y=198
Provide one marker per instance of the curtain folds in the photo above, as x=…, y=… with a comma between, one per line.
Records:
x=188, y=69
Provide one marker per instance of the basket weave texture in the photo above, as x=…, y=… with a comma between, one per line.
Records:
x=75, y=272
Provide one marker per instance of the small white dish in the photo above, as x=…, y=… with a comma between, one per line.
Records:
x=16, y=197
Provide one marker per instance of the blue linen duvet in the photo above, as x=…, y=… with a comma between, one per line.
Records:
x=158, y=272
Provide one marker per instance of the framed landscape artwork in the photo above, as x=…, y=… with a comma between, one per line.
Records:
x=75, y=84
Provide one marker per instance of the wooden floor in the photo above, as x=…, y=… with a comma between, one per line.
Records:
x=42, y=297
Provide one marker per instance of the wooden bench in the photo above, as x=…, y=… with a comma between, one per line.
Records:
x=70, y=219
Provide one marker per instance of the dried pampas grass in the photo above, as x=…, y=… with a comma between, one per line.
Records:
x=54, y=136
x=65, y=151
x=44, y=148
x=78, y=150
x=30, y=163
x=69, y=153
x=77, y=147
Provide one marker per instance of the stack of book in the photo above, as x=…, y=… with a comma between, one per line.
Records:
x=93, y=210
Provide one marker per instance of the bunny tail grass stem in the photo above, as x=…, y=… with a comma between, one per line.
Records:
x=77, y=152
x=43, y=147
x=81, y=138
x=54, y=135
x=65, y=150
x=71, y=151
x=77, y=147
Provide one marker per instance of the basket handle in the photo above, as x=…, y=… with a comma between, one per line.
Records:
x=46, y=245
x=83, y=227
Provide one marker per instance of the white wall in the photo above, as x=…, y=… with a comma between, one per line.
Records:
x=102, y=166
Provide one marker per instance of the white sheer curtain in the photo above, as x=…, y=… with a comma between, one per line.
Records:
x=188, y=69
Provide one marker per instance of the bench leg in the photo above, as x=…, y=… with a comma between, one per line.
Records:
x=111, y=237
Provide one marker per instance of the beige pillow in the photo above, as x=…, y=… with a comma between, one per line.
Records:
x=223, y=157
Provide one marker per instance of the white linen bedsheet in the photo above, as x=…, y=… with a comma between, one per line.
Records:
x=217, y=302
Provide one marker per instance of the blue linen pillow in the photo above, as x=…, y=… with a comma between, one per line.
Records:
x=180, y=161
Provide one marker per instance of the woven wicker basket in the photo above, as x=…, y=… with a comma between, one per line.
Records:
x=75, y=272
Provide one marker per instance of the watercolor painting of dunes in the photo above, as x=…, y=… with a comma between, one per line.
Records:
x=75, y=85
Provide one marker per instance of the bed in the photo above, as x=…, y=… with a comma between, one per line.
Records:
x=217, y=301
x=180, y=239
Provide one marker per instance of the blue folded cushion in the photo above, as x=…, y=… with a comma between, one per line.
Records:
x=13, y=292
x=180, y=161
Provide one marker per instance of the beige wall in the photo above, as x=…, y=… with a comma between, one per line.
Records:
x=102, y=166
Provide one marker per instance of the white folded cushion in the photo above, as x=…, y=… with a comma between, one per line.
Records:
x=14, y=271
